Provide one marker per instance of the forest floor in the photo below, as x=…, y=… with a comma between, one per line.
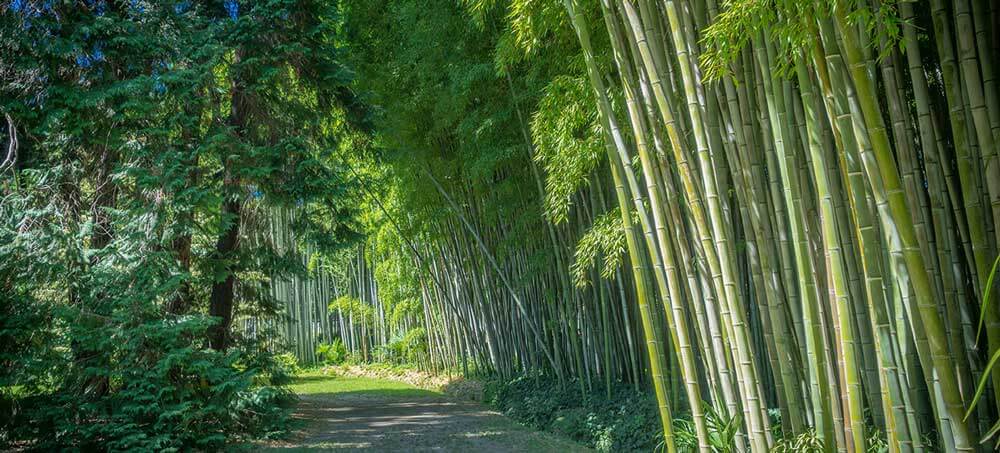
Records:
x=351, y=413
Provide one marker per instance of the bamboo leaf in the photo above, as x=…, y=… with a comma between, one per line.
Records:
x=992, y=432
x=986, y=299
x=982, y=383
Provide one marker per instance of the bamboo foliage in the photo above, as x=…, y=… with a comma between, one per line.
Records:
x=874, y=253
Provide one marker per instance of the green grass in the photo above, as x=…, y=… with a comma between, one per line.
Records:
x=314, y=382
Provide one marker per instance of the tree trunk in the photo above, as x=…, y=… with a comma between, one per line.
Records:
x=221, y=299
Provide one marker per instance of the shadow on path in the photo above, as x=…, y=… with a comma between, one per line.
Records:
x=410, y=420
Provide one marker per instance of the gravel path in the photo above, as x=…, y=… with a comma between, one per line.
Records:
x=387, y=421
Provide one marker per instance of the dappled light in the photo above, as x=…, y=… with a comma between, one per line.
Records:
x=364, y=413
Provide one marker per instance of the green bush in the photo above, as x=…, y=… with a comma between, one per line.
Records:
x=408, y=348
x=571, y=423
x=159, y=393
x=287, y=364
x=332, y=353
x=722, y=430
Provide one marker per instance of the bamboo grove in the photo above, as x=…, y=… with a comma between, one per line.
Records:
x=785, y=211
x=781, y=215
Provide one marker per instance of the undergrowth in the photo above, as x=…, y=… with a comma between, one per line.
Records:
x=628, y=421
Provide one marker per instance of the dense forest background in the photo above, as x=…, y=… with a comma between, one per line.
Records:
x=741, y=225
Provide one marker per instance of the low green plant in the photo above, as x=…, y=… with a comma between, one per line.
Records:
x=288, y=364
x=722, y=430
x=628, y=421
x=410, y=347
x=806, y=442
x=332, y=353
x=685, y=437
x=571, y=422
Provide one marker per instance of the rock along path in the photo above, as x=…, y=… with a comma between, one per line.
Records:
x=379, y=419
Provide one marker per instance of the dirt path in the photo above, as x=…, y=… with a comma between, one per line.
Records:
x=381, y=420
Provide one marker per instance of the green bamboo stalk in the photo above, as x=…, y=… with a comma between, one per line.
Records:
x=880, y=165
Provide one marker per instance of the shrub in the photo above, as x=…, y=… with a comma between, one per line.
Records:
x=572, y=423
x=287, y=364
x=331, y=353
x=408, y=348
x=160, y=392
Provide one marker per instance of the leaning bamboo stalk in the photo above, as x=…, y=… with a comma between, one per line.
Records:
x=614, y=143
x=720, y=256
x=660, y=247
x=653, y=72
